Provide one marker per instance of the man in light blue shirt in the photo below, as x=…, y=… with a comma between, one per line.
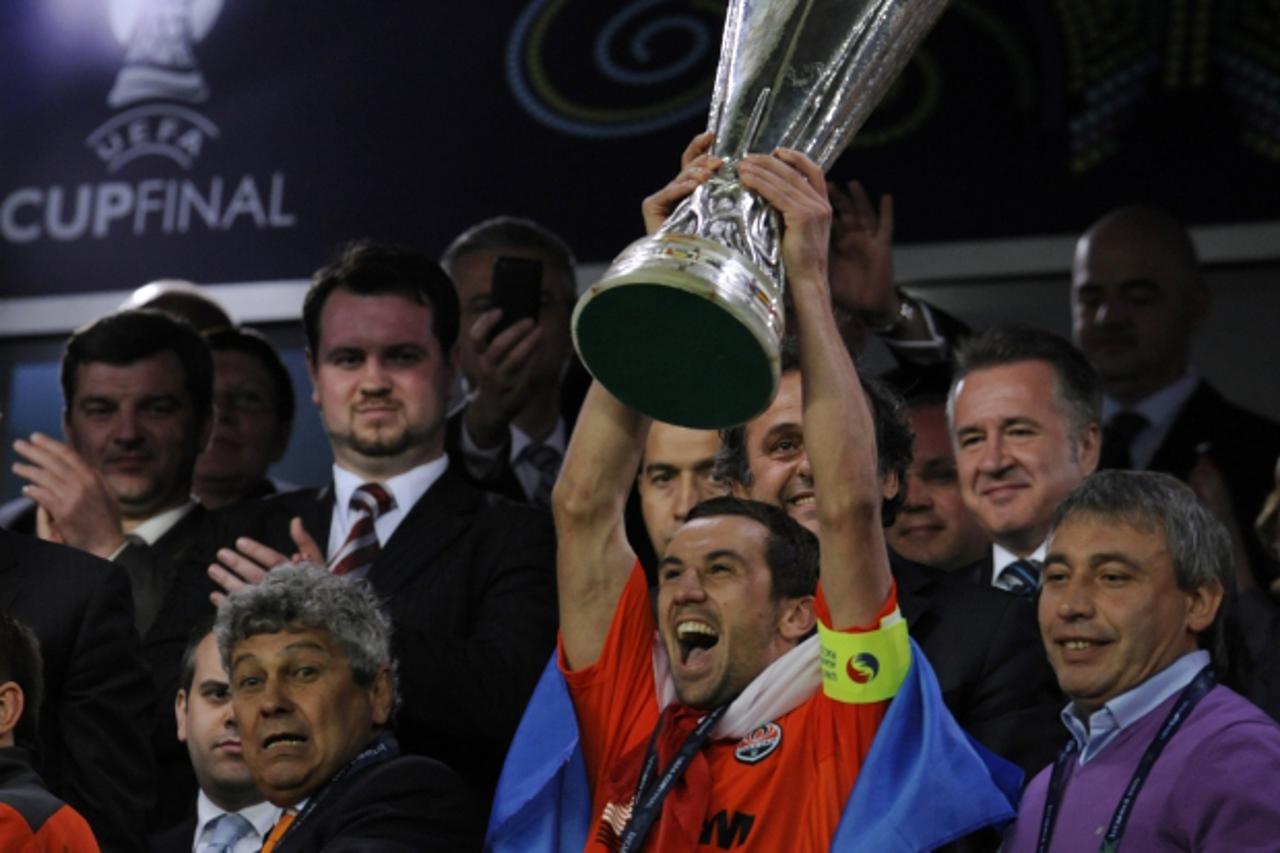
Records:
x=1160, y=756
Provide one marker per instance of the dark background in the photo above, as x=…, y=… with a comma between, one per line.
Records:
x=408, y=120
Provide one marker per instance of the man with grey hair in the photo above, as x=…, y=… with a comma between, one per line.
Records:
x=313, y=684
x=1023, y=410
x=519, y=410
x=1160, y=755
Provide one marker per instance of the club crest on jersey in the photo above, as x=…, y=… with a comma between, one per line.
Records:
x=756, y=746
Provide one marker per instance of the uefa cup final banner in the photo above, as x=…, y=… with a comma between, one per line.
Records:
x=241, y=140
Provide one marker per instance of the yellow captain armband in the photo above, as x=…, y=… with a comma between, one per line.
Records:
x=867, y=667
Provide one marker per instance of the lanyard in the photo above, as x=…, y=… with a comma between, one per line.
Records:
x=384, y=748
x=651, y=793
x=1194, y=692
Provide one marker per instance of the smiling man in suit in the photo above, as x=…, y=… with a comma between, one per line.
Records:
x=1137, y=300
x=137, y=391
x=468, y=577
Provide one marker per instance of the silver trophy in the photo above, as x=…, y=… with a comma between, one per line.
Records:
x=686, y=324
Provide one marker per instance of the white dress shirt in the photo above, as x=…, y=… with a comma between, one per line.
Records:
x=1161, y=410
x=406, y=488
x=1001, y=557
x=262, y=816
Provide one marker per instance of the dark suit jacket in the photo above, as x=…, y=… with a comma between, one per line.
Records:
x=984, y=645
x=409, y=804
x=1243, y=444
x=175, y=839
x=186, y=608
x=469, y=581
x=98, y=703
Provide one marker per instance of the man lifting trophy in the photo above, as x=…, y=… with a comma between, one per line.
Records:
x=686, y=324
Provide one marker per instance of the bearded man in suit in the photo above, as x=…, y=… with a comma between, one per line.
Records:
x=468, y=576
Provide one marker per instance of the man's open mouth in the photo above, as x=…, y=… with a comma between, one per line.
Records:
x=282, y=740
x=695, y=638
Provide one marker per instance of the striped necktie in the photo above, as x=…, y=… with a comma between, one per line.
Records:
x=357, y=554
x=1021, y=577
x=227, y=830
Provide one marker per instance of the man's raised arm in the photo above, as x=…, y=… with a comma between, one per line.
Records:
x=593, y=556
x=839, y=435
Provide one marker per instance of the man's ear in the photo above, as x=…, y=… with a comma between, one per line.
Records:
x=1089, y=448
x=381, y=692
x=1203, y=604
x=796, y=618
x=12, y=703
x=180, y=714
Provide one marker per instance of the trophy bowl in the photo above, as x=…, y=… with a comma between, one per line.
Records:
x=686, y=324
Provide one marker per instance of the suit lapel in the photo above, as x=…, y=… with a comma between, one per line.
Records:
x=1178, y=452
x=915, y=587
x=439, y=518
x=317, y=515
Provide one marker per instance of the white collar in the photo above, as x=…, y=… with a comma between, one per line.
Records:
x=1001, y=557
x=406, y=488
x=262, y=815
x=520, y=439
x=158, y=525
x=1160, y=408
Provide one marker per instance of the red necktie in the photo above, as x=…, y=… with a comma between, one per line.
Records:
x=361, y=548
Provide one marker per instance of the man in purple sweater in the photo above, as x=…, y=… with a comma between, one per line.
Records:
x=1159, y=758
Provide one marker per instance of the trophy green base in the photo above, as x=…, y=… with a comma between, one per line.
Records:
x=684, y=330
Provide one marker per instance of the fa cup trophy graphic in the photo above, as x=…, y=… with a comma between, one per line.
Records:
x=686, y=324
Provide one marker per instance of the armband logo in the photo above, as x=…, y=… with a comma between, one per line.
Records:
x=759, y=744
x=863, y=668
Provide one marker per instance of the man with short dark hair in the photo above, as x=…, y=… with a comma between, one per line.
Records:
x=933, y=527
x=1135, y=578
x=519, y=409
x=137, y=394
x=467, y=575
x=253, y=404
x=313, y=683
x=31, y=819
x=1023, y=410
x=676, y=472
x=229, y=808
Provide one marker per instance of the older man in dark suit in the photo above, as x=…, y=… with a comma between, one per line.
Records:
x=314, y=688
x=467, y=576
